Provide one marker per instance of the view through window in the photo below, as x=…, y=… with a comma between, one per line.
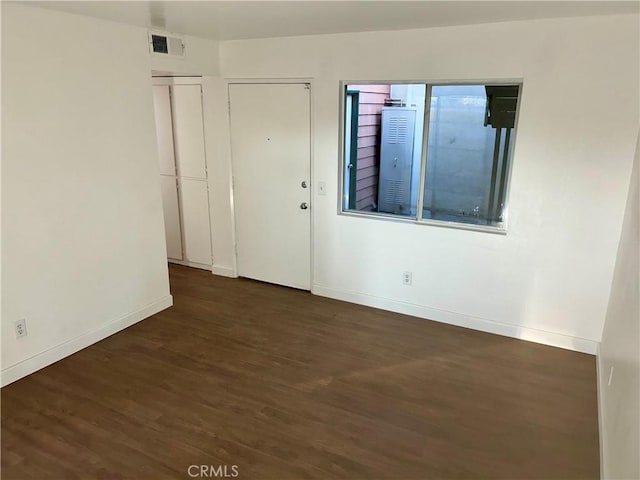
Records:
x=462, y=173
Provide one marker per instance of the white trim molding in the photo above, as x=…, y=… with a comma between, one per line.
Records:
x=58, y=352
x=187, y=263
x=223, y=271
x=462, y=320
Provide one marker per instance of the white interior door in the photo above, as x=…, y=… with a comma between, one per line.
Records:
x=189, y=131
x=164, y=129
x=167, y=164
x=195, y=220
x=271, y=150
x=183, y=173
x=171, y=217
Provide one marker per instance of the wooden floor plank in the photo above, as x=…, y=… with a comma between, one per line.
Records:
x=287, y=385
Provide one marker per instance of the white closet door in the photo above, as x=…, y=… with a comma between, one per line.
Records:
x=195, y=220
x=188, y=131
x=164, y=129
x=171, y=217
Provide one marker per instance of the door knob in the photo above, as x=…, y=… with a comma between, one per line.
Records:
x=303, y=184
x=304, y=206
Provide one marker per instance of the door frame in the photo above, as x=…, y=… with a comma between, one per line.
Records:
x=312, y=191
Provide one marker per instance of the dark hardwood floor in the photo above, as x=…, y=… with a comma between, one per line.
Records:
x=286, y=385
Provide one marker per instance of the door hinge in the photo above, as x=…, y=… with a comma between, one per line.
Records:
x=229, y=107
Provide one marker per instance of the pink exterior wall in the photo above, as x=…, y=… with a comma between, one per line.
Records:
x=372, y=98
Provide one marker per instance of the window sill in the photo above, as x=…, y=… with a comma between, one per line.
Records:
x=428, y=222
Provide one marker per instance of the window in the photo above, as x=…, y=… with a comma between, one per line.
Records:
x=458, y=178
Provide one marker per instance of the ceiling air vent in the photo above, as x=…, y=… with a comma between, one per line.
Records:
x=162, y=44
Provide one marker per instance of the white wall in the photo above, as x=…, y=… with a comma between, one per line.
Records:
x=83, y=244
x=549, y=278
x=620, y=350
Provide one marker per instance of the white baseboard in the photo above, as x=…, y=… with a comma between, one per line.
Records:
x=187, y=263
x=223, y=271
x=58, y=352
x=462, y=320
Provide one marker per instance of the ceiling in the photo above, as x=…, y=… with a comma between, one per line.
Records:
x=229, y=20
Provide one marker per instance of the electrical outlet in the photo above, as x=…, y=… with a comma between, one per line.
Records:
x=322, y=188
x=406, y=278
x=20, y=328
x=610, y=377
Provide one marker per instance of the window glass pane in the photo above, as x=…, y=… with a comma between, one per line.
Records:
x=470, y=140
x=384, y=125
